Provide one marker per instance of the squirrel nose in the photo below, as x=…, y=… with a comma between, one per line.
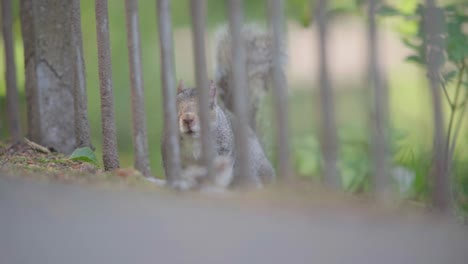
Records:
x=188, y=120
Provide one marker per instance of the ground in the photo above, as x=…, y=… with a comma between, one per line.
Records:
x=23, y=160
x=50, y=222
x=57, y=210
x=26, y=160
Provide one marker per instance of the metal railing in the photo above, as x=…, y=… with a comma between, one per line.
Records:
x=328, y=138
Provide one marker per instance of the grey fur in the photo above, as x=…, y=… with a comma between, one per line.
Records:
x=225, y=146
x=259, y=64
x=259, y=55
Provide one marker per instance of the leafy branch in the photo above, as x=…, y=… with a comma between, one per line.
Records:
x=453, y=62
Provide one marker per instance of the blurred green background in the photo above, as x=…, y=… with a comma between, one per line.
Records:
x=410, y=104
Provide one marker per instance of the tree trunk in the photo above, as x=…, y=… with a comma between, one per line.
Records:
x=48, y=53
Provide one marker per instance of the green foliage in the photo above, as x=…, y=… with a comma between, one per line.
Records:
x=307, y=156
x=303, y=10
x=452, y=64
x=85, y=154
x=354, y=163
x=388, y=11
x=300, y=10
x=461, y=184
x=353, y=7
x=418, y=161
x=354, y=166
x=452, y=17
x=353, y=159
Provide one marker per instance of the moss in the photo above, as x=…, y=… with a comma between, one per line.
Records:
x=20, y=160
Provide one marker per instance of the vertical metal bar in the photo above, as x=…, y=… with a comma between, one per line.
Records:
x=10, y=73
x=434, y=56
x=80, y=101
x=168, y=90
x=280, y=89
x=380, y=106
x=29, y=32
x=329, y=134
x=239, y=85
x=109, y=147
x=198, y=10
x=140, y=140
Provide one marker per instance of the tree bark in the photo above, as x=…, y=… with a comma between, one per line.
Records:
x=49, y=72
x=434, y=43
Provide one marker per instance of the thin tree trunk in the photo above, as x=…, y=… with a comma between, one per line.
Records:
x=434, y=49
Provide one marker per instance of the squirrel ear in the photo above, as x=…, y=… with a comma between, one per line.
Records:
x=181, y=86
x=213, y=92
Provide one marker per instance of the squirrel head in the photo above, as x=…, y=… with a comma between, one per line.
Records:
x=187, y=109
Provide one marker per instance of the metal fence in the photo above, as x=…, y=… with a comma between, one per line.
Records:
x=379, y=106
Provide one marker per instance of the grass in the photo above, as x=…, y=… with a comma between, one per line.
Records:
x=410, y=137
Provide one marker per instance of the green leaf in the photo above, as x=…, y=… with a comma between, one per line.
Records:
x=307, y=156
x=407, y=27
x=301, y=10
x=411, y=45
x=407, y=6
x=354, y=165
x=457, y=49
x=386, y=10
x=306, y=16
x=414, y=58
x=449, y=76
x=84, y=154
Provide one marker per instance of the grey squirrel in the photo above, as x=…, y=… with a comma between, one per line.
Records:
x=259, y=63
x=258, y=45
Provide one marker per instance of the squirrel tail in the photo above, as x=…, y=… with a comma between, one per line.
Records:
x=259, y=64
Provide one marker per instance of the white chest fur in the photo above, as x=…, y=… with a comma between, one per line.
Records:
x=190, y=150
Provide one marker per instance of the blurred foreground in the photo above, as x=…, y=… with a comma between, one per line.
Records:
x=47, y=222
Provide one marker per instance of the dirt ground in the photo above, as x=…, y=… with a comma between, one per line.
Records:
x=23, y=160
